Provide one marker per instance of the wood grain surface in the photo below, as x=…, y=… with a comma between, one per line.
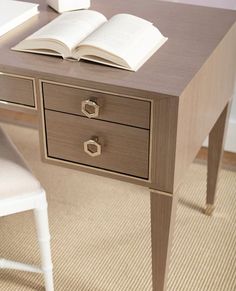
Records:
x=203, y=101
x=112, y=108
x=124, y=149
x=215, y=151
x=163, y=214
x=189, y=81
x=165, y=116
x=193, y=32
x=17, y=90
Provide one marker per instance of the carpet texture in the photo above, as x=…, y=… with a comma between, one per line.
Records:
x=101, y=232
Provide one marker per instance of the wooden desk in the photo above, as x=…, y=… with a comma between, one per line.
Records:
x=152, y=123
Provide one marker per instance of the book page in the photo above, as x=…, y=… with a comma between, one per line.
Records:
x=70, y=28
x=127, y=36
x=13, y=13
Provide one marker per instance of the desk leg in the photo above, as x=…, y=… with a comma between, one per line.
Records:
x=163, y=213
x=215, y=152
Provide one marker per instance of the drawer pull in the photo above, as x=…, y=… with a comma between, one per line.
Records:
x=90, y=108
x=92, y=147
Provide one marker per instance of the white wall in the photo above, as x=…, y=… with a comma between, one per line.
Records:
x=233, y=110
x=227, y=4
x=230, y=144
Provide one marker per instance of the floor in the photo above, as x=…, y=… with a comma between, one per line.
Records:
x=101, y=232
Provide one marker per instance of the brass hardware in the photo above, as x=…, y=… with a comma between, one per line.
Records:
x=92, y=147
x=90, y=108
x=209, y=209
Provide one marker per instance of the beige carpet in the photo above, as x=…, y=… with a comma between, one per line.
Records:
x=101, y=232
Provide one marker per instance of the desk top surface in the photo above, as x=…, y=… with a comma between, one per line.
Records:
x=193, y=31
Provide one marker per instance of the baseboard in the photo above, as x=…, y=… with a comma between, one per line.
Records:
x=230, y=144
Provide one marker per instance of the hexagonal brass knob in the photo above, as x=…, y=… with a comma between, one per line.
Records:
x=92, y=147
x=90, y=108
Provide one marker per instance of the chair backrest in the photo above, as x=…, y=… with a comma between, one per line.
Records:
x=15, y=176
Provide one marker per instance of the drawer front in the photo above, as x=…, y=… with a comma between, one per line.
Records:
x=124, y=149
x=122, y=110
x=16, y=90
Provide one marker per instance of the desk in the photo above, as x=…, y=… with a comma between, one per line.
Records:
x=151, y=123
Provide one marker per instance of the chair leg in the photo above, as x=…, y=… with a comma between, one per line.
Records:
x=41, y=220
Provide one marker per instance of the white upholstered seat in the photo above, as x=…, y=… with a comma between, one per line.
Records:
x=21, y=191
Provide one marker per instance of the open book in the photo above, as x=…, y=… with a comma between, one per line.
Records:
x=14, y=13
x=125, y=41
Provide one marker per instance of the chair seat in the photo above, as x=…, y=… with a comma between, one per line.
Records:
x=16, y=180
x=21, y=191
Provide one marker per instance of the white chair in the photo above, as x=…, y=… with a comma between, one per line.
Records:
x=20, y=191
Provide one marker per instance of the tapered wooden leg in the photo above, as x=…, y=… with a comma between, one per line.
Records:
x=163, y=214
x=215, y=152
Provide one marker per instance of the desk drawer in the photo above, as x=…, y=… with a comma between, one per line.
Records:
x=112, y=108
x=124, y=149
x=18, y=90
